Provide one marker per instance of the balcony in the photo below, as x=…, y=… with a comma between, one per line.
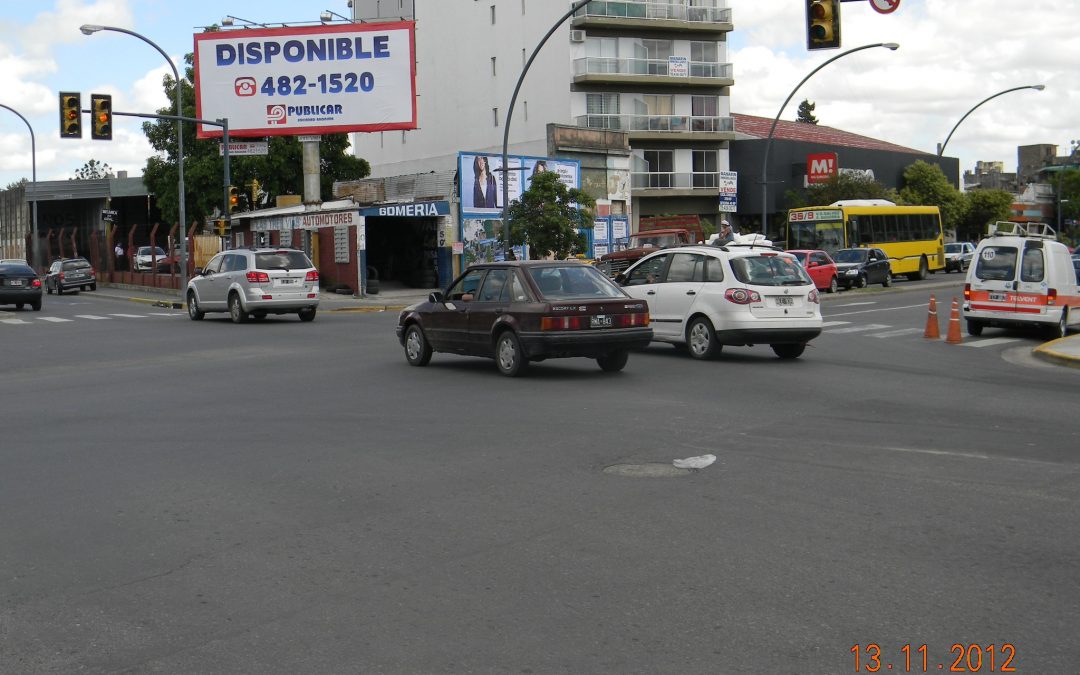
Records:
x=659, y=16
x=610, y=70
x=670, y=184
x=664, y=127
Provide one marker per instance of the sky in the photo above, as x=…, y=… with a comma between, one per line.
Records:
x=953, y=54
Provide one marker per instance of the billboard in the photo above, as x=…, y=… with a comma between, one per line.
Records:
x=307, y=79
x=481, y=180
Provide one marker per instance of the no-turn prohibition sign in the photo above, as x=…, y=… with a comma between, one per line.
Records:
x=885, y=6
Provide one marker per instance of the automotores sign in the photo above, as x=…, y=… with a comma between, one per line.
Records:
x=307, y=79
x=307, y=221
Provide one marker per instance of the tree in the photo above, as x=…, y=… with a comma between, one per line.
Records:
x=982, y=207
x=93, y=169
x=548, y=216
x=926, y=185
x=279, y=172
x=841, y=186
x=806, y=112
x=17, y=184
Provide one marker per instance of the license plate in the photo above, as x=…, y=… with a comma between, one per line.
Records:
x=785, y=301
x=16, y=282
x=600, y=321
x=997, y=297
x=286, y=282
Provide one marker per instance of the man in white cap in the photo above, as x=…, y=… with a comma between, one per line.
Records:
x=726, y=234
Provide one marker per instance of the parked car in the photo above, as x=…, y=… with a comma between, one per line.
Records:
x=12, y=261
x=70, y=274
x=19, y=285
x=820, y=266
x=255, y=282
x=517, y=312
x=860, y=267
x=702, y=298
x=146, y=257
x=958, y=256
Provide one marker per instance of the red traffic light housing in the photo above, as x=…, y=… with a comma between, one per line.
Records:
x=234, y=198
x=822, y=24
x=70, y=114
x=101, y=117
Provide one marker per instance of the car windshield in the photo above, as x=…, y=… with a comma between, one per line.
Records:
x=573, y=281
x=953, y=248
x=850, y=255
x=282, y=260
x=76, y=264
x=656, y=241
x=769, y=270
x=151, y=251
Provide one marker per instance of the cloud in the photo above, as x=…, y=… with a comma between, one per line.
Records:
x=61, y=25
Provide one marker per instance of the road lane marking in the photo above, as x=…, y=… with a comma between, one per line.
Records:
x=166, y=314
x=827, y=324
x=880, y=309
x=895, y=333
x=54, y=319
x=856, y=304
x=859, y=329
x=990, y=342
x=91, y=316
x=130, y=316
x=13, y=322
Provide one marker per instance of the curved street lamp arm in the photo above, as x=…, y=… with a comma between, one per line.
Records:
x=1036, y=87
x=33, y=177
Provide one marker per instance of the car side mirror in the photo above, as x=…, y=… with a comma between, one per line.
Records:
x=812, y=263
x=620, y=279
x=199, y=271
x=436, y=298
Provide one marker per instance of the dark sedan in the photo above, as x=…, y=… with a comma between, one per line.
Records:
x=19, y=286
x=862, y=266
x=522, y=311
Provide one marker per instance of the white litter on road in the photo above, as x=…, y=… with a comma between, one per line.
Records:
x=699, y=462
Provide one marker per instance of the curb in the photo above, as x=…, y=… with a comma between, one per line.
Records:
x=1044, y=352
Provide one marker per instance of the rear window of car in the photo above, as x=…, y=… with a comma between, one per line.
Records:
x=282, y=260
x=851, y=255
x=996, y=263
x=575, y=281
x=15, y=268
x=76, y=264
x=769, y=270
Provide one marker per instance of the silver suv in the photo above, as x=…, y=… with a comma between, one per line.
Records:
x=255, y=282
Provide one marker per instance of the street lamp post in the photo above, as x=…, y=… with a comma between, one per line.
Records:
x=33, y=174
x=1036, y=87
x=90, y=29
x=768, y=141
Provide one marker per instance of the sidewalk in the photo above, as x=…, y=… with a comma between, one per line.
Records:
x=1064, y=351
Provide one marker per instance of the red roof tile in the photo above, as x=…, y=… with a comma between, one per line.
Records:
x=812, y=133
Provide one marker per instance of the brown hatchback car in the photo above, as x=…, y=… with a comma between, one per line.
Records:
x=522, y=311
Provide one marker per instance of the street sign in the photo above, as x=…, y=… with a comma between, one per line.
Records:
x=237, y=148
x=885, y=6
x=108, y=215
x=309, y=138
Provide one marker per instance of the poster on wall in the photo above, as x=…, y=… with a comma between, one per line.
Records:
x=480, y=180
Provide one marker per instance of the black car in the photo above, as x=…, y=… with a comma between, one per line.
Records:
x=521, y=311
x=19, y=286
x=70, y=274
x=860, y=267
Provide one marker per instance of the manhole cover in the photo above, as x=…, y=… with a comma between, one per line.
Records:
x=650, y=470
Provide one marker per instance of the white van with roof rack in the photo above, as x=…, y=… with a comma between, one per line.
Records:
x=1021, y=275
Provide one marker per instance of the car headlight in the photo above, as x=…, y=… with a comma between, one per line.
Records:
x=851, y=273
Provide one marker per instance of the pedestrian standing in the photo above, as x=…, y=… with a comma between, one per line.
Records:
x=119, y=251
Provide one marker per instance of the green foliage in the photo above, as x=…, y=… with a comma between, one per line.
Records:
x=93, y=169
x=279, y=173
x=980, y=208
x=17, y=184
x=840, y=186
x=926, y=185
x=806, y=112
x=548, y=216
x=1070, y=191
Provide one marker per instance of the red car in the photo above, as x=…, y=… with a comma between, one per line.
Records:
x=821, y=267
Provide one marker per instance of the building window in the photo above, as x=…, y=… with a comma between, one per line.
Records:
x=655, y=112
x=603, y=54
x=704, y=169
x=493, y=66
x=651, y=57
x=493, y=15
x=602, y=111
x=525, y=105
x=522, y=7
x=523, y=59
x=704, y=52
x=704, y=111
x=495, y=116
x=661, y=167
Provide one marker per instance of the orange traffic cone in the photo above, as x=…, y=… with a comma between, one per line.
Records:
x=933, y=329
x=953, y=337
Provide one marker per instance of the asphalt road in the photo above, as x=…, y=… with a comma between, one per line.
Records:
x=182, y=497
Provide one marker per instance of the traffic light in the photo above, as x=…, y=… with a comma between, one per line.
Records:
x=822, y=24
x=234, y=198
x=101, y=117
x=70, y=114
x=254, y=193
x=221, y=223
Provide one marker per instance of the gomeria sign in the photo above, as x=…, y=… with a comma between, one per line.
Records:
x=307, y=79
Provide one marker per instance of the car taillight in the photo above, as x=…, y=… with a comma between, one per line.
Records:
x=741, y=296
x=967, y=292
x=313, y=275
x=564, y=322
x=60, y=276
x=36, y=283
x=814, y=297
x=93, y=274
x=1051, y=296
x=633, y=319
x=258, y=277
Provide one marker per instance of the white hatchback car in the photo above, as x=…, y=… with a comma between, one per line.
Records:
x=704, y=297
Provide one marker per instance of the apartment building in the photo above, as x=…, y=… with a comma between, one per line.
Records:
x=657, y=70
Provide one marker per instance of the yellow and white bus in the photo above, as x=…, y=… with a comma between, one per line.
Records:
x=910, y=235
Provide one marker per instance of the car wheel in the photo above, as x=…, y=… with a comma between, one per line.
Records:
x=508, y=354
x=193, y=310
x=833, y=285
x=93, y=287
x=701, y=339
x=36, y=306
x=974, y=327
x=888, y=280
x=19, y=305
x=236, y=310
x=921, y=274
x=417, y=349
x=1061, y=328
x=307, y=314
x=789, y=351
x=48, y=288
x=861, y=283
x=59, y=289
x=613, y=362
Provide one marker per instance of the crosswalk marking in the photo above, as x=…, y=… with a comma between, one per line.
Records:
x=130, y=316
x=13, y=322
x=827, y=324
x=54, y=319
x=860, y=329
x=91, y=316
x=898, y=332
x=165, y=314
x=989, y=342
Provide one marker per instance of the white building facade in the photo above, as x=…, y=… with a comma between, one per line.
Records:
x=657, y=70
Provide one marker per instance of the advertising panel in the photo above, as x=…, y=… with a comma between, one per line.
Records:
x=481, y=178
x=307, y=79
x=729, y=190
x=820, y=166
